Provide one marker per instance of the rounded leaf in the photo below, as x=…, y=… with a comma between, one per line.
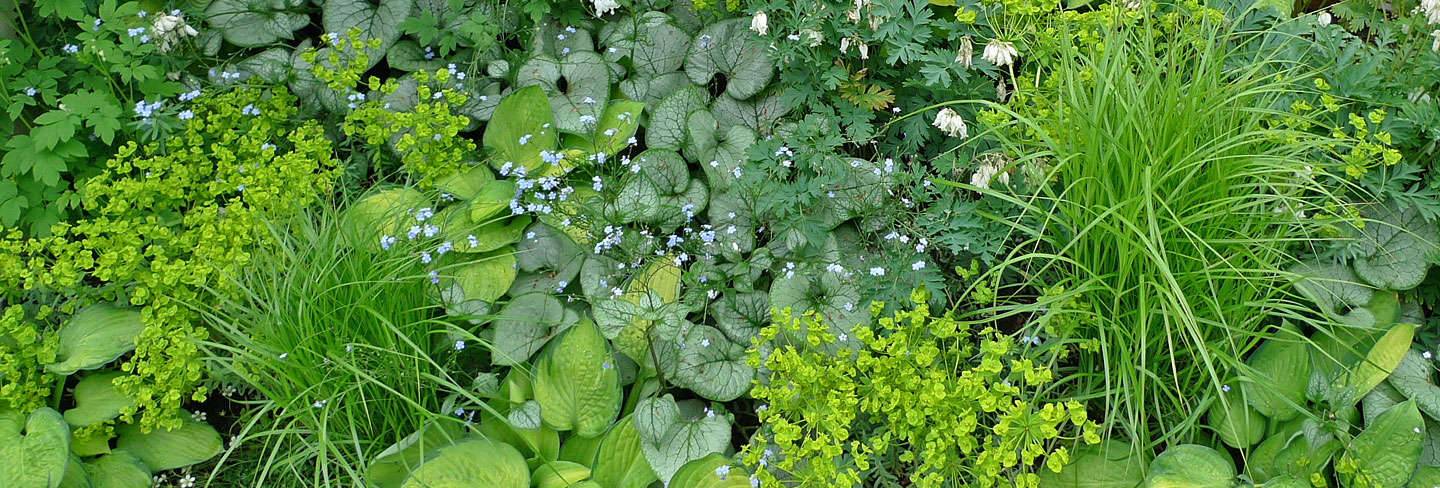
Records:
x=164, y=450
x=118, y=469
x=730, y=49
x=95, y=336
x=469, y=463
x=577, y=384
x=97, y=400
x=1191, y=466
x=34, y=450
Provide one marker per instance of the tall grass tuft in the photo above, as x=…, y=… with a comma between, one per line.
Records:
x=1175, y=200
x=337, y=346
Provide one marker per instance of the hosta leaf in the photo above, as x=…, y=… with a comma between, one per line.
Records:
x=249, y=23
x=560, y=474
x=1191, y=465
x=118, y=469
x=492, y=200
x=1424, y=476
x=542, y=443
x=616, y=126
x=95, y=336
x=619, y=462
x=712, y=471
x=1279, y=375
x=1337, y=291
x=586, y=82
x=712, y=366
x=391, y=466
x=1383, y=357
x=384, y=212
x=476, y=461
x=1110, y=464
x=1385, y=453
x=666, y=127
x=34, y=450
x=483, y=277
x=1411, y=379
x=652, y=42
x=524, y=327
x=1396, y=246
x=467, y=183
x=374, y=21
x=163, y=450
x=1236, y=423
x=835, y=299
x=672, y=434
x=97, y=400
x=576, y=382
x=741, y=315
x=758, y=113
x=458, y=229
x=524, y=132
x=730, y=49
x=548, y=260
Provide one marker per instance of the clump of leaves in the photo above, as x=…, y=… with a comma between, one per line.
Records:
x=921, y=396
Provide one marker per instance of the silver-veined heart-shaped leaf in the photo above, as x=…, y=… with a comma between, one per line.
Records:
x=95, y=336
x=548, y=260
x=1412, y=379
x=1396, y=246
x=271, y=65
x=586, y=81
x=1337, y=290
x=834, y=298
x=712, y=366
x=672, y=434
x=407, y=55
x=375, y=21
x=524, y=327
x=758, y=113
x=34, y=450
x=666, y=127
x=652, y=42
x=741, y=315
x=728, y=48
x=577, y=384
x=555, y=39
x=653, y=89
x=250, y=23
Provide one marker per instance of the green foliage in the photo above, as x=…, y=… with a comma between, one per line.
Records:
x=164, y=223
x=920, y=396
x=67, y=77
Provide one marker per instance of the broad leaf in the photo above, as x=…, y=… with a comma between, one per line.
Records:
x=666, y=127
x=1278, y=375
x=713, y=471
x=386, y=212
x=1191, y=465
x=1110, y=464
x=524, y=132
x=712, y=366
x=758, y=113
x=163, y=450
x=1337, y=291
x=619, y=462
x=1396, y=246
x=577, y=384
x=391, y=466
x=34, y=450
x=616, y=126
x=118, y=469
x=741, y=315
x=730, y=49
x=473, y=462
x=97, y=400
x=833, y=297
x=95, y=336
x=672, y=434
x=523, y=327
x=548, y=260
x=1385, y=453
x=1411, y=379
x=652, y=90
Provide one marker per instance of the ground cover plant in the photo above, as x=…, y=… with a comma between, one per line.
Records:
x=890, y=243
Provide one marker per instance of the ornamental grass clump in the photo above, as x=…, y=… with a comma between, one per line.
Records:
x=1181, y=183
x=923, y=398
